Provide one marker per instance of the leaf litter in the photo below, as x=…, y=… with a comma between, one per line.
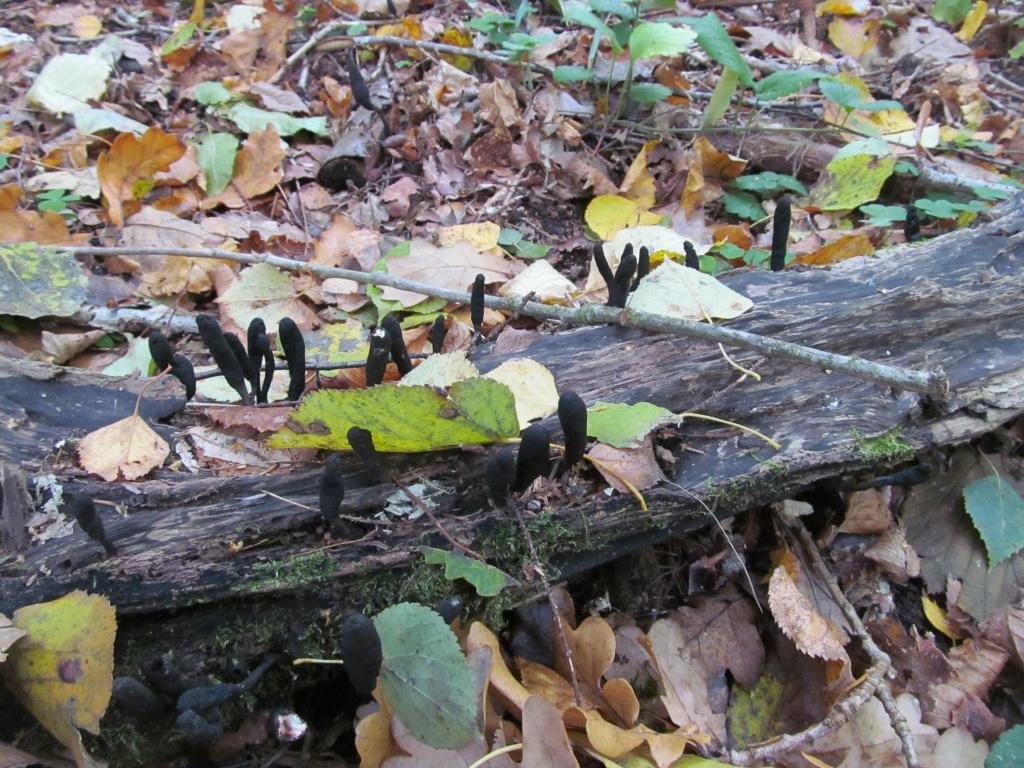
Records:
x=450, y=184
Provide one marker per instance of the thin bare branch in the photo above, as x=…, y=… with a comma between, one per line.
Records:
x=933, y=382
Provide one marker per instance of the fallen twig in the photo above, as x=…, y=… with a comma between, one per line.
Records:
x=933, y=382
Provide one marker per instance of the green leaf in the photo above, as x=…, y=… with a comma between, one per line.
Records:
x=513, y=238
x=884, y=215
x=720, y=99
x=486, y=579
x=940, y=208
x=403, y=419
x=92, y=120
x=744, y=205
x=623, y=426
x=36, y=281
x=987, y=192
x=1008, y=751
x=1017, y=51
x=951, y=12
x=250, y=119
x=768, y=183
x=649, y=93
x=571, y=74
x=906, y=168
x=755, y=715
x=211, y=93
x=715, y=40
x=850, y=181
x=657, y=38
x=620, y=8
x=216, y=156
x=179, y=37
x=997, y=511
x=578, y=12
x=785, y=83
x=426, y=679
x=848, y=97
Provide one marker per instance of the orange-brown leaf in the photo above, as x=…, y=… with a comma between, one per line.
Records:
x=126, y=171
x=846, y=247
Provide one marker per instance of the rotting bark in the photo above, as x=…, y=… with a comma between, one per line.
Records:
x=956, y=301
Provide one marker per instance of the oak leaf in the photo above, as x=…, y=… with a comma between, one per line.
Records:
x=126, y=171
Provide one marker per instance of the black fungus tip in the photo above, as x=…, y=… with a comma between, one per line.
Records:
x=182, y=370
x=572, y=415
x=332, y=488
x=294, y=347
x=501, y=475
x=692, y=261
x=83, y=510
x=643, y=267
x=251, y=373
x=602, y=265
x=911, y=225
x=780, y=233
x=223, y=355
x=399, y=352
x=437, y=334
x=160, y=350
x=450, y=608
x=619, y=289
x=534, y=456
x=361, y=441
x=476, y=303
x=361, y=653
x=377, y=357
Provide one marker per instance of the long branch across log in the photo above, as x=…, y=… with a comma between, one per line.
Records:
x=956, y=302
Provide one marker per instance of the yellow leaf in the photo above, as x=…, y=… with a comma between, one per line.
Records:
x=709, y=168
x=638, y=185
x=607, y=214
x=937, y=617
x=532, y=385
x=846, y=247
x=63, y=671
x=854, y=37
x=483, y=236
x=843, y=7
x=86, y=27
x=127, y=447
x=973, y=21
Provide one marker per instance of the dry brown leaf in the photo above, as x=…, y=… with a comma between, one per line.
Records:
x=509, y=692
x=373, y=733
x=46, y=228
x=867, y=512
x=545, y=742
x=257, y=169
x=499, y=105
x=127, y=170
x=129, y=448
x=453, y=267
x=798, y=620
x=638, y=184
x=685, y=681
x=61, y=347
x=846, y=247
x=720, y=630
x=709, y=168
x=332, y=247
x=638, y=466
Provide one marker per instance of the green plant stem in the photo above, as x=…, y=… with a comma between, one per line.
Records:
x=933, y=382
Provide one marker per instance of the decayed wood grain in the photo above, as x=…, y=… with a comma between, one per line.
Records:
x=956, y=301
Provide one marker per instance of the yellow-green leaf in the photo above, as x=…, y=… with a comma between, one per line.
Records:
x=404, y=419
x=607, y=214
x=36, y=281
x=62, y=672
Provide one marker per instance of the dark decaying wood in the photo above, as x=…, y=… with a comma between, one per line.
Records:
x=956, y=301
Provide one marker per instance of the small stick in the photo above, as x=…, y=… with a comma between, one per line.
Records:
x=437, y=523
x=563, y=639
x=933, y=382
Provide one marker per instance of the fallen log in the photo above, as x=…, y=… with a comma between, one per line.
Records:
x=214, y=544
